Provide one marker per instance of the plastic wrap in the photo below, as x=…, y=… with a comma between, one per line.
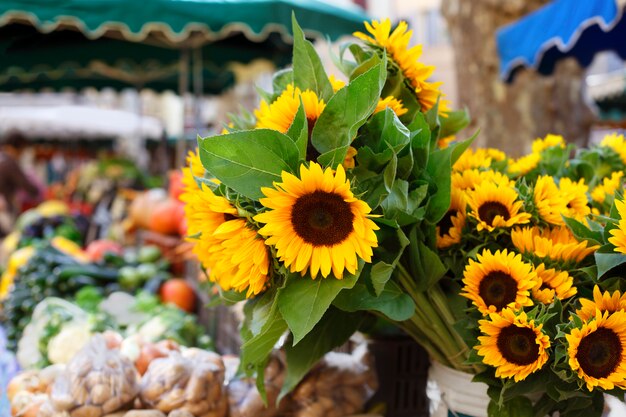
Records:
x=192, y=381
x=337, y=386
x=98, y=381
x=244, y=399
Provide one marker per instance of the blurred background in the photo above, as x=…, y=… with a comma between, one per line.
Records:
x=170, y=90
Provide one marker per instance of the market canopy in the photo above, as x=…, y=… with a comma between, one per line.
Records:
x=54, y=43
x=560, y=29
x=77, y=122
x=183, y=22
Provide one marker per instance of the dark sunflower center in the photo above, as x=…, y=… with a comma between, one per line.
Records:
x=311, y=153
x=599, y=353
x=489, y=210
x=545, y=286
x=517, y=345
x=445, y=224
x=498, y=289
x=229, y=217
x=322, y=218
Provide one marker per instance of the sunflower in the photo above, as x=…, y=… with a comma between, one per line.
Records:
x=396, y=44
x=524, y=164
x=392, y=103
x=618, y=238
x=557, y=244
x=608, y=187
x=451, y=225
x=494, y=205
x=550, y=141
x=316, y=223
x=280, y=114
x=336, y=83
x=445, y=142
x=234, y=255
x=603, y=301
x=617, y=143
x=514, y=345
x=471, y=159
x=553, y=283
x=348, y=161
x=193, y=169
x=548, y=201
x=596, y=351
x=471, y=178
x=498, y=280
x=244, y=260
x=575, y=196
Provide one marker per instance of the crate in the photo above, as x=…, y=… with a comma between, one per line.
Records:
x=402, y=369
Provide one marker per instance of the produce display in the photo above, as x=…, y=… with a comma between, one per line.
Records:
x=101, y=380
x=52, y=272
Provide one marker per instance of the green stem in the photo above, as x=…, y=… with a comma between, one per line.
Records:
x=428, y=316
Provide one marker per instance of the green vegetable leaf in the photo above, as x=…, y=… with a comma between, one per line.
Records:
x=246, y=161
x=304, y=301
x=308, y=70
x=333, y=330
x=392, y=301
x=345, y=113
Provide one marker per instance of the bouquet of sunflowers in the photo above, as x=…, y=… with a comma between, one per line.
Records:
x=323, y=203
x=537, y=245
x=334, y=199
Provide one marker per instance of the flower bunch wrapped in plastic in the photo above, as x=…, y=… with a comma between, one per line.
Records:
x=322, y=204
x=534, y=251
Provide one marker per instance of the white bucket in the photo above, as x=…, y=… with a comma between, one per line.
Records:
x=454, y=391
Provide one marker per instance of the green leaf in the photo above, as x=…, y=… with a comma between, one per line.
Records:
x=333, y=330
x=308, y=70
x=256, y=350
x=299, y=131
x=304, y=301
x=439, y=168
x=392, y=301
x=385, y=130
x=583, y=232
x=345, y=113
x=262, y=310
x=453, y=123
x=427, y=267
x=389, y=176
x=281, y=80
x=246, y=161
x=608, y=261
x=381, y=271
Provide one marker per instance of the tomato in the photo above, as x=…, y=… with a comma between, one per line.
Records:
x=96, y=249
x=178, y=292
x=176, y=187
x=166, y=216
